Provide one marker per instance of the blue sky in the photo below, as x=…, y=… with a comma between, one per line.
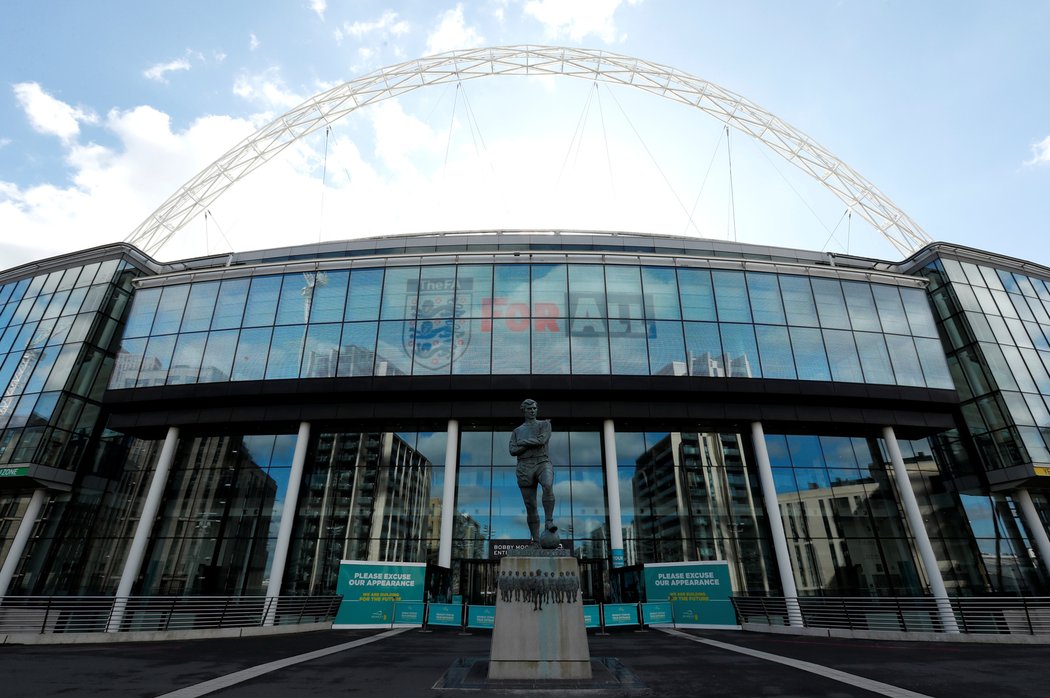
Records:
x=108, y=107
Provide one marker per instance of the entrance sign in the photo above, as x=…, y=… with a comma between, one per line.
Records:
x=372, y=589
x=698, y=591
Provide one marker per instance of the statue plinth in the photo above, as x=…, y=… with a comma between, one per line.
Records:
x=539, y=631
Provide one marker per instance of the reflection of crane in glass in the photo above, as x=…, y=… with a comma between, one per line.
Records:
x=307, y=291
x=28, y=361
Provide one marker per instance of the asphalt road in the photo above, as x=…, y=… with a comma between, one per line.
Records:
x=412, y=662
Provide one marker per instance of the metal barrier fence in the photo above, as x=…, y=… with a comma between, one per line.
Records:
x=93, y=614
x=998, y=615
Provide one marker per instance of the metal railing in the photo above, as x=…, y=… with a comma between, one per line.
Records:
x=94, y=614
x=988, y=615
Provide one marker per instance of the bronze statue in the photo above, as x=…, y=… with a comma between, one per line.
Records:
x=529, y=444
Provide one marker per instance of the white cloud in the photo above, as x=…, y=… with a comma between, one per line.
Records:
x=159, y=72
x=388, y=23
x=578, y=19
x=453, y=33
x=253, y=42
x=5, y=142
x=49, y=115
x=319, y=7
x=1040, y=153
x=267, y=89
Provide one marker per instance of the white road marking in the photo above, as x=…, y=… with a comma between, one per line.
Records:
x=203, y=689
x=827, y=672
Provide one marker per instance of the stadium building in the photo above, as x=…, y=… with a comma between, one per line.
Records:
x=239, y=424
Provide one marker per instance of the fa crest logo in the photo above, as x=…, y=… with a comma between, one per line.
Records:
x=437, y=336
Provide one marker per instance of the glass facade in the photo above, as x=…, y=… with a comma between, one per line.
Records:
x=531, y=319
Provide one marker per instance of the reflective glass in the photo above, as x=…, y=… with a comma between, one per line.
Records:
x=842, y=355
x=199, y=307
x=218, y=356
x=704, y=349
x=874, y=358
x=587, y=292
x=472, y=356
x=549, y=290
x=366, y=290
x=186, y=361
x=905, y=360
x=831, y=308
x=510, y=346
x=731, y=296
x=934, y=367
x=660, y=293
x=357, y=348
x=666, y=349
x=400, y=289
x=628, y=347
x=624, y=292
x=434, y=342
x=861, y=306
x=229, y=306
x=891, y=310
x=329, y=296
x=393, y=357
x=775, y=352
x=253, y=348
x=143, y=308
x=129, y=358
x=698, y=299
x=766, y=306
x=550, y=348
x=589, y=346
x=473, y=290
x=261, y=306
x=321, y=352
x=286, y=351
x=293, y=304
x=740, y=351
x=156, y=361
x=811, y=360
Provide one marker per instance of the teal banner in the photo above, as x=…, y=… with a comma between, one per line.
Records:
x=481, y=616
x=445, y=614
x=591, y=619
x=620, y=614
x=657, y=613
x=371, y=590
x=699, y=592
x=409, y=612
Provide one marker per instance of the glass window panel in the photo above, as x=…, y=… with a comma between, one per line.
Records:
x=1036, y=406
x=905, y=360
x=550, y=348
x=999, y=368
x=831, y=308
x=54, y=308
x=842, y=355
x=1002, y=301
x=400, y=289
x=286, y=350
x=1019, y=303
x=60, y=331
x=766, y=306
x=510, y=346
x=932, y=361
x=229, y=306
x=129, y=358
x=261, y=307
x=861, y=306
x=87, y=275
x=891, y=310
x=874, y=358
x=666, y=349
x=437, y=294
x=1037, y=370
x=811, y=360
x=1014, y=365
x=698, y=298
x=972, y=274
x=366, y=290
x=1019, y=333
x=473, y=356
x=589, y=346
x=660, y=293
x=624, y=293
x=434, y=342
x=704, y=349
x=143, y=308
x=998, y=279
x=628, y=347
x=36, y=373
x=218, y=357
x=293, y=304
x=321, y=352
x=392, y=351
x=587, y=291
x=329, y=299
x=169, y=310
x=156, y=361
x=37, y=308
x=731, y=296
x=186, y=361
x=358, y=348
x=199, y=307
x=775, y=351
x=740, y=350
x=917, y=310
x=473, y=290
x=549, y=290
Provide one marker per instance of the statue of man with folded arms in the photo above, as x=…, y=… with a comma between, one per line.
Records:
x=529, y=444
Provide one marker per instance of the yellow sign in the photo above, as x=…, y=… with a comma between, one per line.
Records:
x=1040, y=470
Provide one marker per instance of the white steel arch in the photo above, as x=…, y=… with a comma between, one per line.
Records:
x=454, y=66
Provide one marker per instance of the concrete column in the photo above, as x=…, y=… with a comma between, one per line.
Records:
x=142, y=532
x=612, y=486
x=18, y=546
x=448, y=495
x=776, y=524
x=284, y=533
x=918, y=529
x=1031, y=518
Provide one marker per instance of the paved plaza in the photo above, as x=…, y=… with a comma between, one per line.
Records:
x=413, y=662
